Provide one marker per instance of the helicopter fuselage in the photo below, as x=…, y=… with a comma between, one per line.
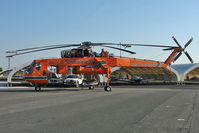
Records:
x=37, y=72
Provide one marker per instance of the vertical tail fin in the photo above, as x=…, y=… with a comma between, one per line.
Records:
x=172, y=56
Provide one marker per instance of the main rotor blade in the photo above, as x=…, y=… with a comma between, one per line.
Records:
x=26, y=49
x=142, y=45
x=64, y=46
x=100, y=44
x=188, y=42
x=171, y=48
x=149, y=45
x=189, y=57
x=131, y=44
x=120, y=49
x=53, y=46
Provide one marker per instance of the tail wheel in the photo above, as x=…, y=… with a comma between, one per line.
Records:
x=107, y=88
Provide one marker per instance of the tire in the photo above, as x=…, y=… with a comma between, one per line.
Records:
x=107, y=88
x=37, y=88
x=83, y=83
x=91, y=87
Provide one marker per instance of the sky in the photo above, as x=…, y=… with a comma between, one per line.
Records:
x=32, y=23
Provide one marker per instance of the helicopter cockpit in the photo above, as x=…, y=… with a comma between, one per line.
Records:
x=76, y=53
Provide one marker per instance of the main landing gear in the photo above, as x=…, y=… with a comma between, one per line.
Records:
x=107, y=88
x=37, y=88
x=91, y=87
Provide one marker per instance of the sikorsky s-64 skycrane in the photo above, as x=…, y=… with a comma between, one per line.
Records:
x=83, y=60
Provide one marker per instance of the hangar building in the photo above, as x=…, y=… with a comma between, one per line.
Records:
x=179, y=72
x=186, y=71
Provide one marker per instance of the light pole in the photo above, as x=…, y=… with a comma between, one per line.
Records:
x=10, y=56
x=8, y=62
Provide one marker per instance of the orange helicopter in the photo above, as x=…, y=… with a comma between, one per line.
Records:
x=83, y=60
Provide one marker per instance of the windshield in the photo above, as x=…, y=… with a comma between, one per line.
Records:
x=29, y=69
x=38, y=66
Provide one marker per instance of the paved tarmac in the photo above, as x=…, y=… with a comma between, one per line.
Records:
x=127, y=109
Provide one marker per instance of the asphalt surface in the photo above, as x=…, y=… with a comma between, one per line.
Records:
x=127, y=109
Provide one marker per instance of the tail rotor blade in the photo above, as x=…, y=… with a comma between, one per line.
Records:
x=188, y=42
x=178, y=56
x=189, y=57
x=176, y=42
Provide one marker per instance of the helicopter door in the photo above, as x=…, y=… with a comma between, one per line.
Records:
x=52, y=72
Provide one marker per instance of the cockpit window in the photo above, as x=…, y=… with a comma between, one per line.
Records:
x=76, y=53
x=38, y=66
x=29, y=69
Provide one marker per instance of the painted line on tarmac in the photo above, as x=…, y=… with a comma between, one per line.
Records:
x=12, y=87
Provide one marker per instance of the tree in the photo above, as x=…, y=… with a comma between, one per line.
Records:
x=1, y=69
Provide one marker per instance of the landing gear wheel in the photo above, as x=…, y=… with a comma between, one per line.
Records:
x=107, y=88
x=91, y=87
x=37, y=88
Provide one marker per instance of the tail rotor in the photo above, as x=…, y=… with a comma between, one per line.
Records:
x=183, y=49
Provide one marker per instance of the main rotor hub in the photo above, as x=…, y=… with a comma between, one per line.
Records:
x=87, y=43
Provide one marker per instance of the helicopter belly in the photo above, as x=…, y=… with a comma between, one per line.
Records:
x=37, y=79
